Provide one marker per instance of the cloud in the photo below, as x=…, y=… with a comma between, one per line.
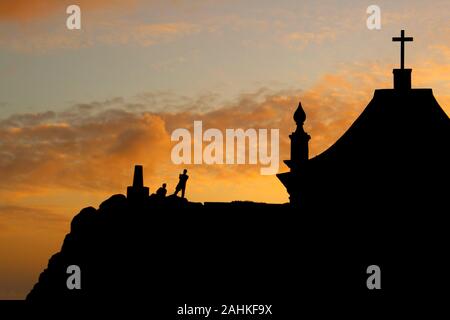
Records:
x=77, y=152
x=28, y=236
x=93, y=146
x=299, y=40
x=102, y=33
x=28, y=10
x=22, y=10
x=434, y=72
x=144, y=34
x=38, y=29
x=40, y=217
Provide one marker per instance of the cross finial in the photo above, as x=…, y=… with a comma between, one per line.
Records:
x=402, y=40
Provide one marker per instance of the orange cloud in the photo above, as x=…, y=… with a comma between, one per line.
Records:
x=144, y=34
x=22, y=10
x=299, y=40
x=434, y=72
x=104, y=33
x=41, y=151
x=94, y=146
x=28, y=235
x=26, y=10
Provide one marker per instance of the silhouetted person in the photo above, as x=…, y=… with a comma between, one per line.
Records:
x=162, y=191
x=181, y=186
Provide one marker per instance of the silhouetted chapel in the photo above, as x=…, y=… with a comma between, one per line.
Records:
x=395, y=156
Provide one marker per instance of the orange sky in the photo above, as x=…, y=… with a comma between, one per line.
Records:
x=56, y=160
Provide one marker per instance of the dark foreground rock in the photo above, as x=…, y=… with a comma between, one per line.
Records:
x=159, y=255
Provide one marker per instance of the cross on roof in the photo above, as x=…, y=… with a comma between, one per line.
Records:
x=402, y=40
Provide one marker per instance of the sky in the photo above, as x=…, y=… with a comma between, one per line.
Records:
x=78, y=108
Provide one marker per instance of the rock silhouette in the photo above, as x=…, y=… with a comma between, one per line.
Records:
x=161, y=254
x=168, y=248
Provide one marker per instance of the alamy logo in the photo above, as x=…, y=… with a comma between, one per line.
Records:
x=373, y=22
x=374, y=280
x=238, y=143
x=74, y=280
x=73, y=21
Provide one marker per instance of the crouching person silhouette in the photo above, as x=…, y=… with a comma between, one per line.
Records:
x=162, y=191
x=181, y=186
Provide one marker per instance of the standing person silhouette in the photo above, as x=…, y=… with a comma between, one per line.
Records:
x=181, y=186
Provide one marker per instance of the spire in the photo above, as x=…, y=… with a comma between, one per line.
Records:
x=299, y=158
x=299, y=141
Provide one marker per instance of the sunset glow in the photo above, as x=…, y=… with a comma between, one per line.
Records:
x=78, y=109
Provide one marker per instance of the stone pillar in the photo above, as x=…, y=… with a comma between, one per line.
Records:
x=137, y=191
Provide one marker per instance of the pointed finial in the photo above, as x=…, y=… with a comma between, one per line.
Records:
x=299, y=115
